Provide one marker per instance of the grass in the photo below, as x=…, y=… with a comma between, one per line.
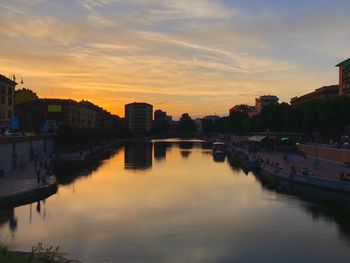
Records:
x=10, y=257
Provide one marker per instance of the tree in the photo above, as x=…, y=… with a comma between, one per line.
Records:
x=186, y=124
x=25, y=95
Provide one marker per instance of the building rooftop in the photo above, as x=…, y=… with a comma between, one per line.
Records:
x=345, y=62
x=326, y=90
x=268, y=97
x=138, y=103
x=3, y=78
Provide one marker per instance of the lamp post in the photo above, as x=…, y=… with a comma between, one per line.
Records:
x=15, y=76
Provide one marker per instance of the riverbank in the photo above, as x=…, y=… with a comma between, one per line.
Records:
x=20, y=187
x=294, y=167
x=29, y=257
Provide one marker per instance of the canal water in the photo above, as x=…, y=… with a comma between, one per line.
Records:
x=171, y=201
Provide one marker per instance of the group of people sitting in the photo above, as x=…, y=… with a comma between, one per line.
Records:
x=43, y=170
x=275, y=165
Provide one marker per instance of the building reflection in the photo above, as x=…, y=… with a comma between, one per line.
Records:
x=186, y=145
x=185, y=154
x=138, y=156
x=185, y=149
x=8, y=216
x=160, y=149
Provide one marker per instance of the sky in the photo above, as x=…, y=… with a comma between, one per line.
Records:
x=195, y=56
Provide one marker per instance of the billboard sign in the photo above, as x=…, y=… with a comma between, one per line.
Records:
x=54, y=108
x=15, y=123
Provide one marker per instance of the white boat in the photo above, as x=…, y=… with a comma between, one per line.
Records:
x=219, y=149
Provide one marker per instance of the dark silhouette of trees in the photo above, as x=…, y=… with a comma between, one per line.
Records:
x=327, y=118
x=186, y=124
x=161, y=127
x=24, y=95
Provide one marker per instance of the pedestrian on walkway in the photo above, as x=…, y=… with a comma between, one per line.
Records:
x=38, y=175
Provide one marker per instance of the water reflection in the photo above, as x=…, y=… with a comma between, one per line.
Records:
x=186, y=145
x=160, y=149
x=219, y=158
x=320, y=203
x=67, y=172
x=138, y=156
x=7, y=215
x=196, y=210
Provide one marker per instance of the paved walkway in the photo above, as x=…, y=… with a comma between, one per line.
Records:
x=20, y=181
x=320, y=168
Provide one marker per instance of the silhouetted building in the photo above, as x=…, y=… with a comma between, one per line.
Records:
x=138, y=156
x=159, y=115
x=264, y=101
x=344, y=77
x=244, y=108
x=7, y=100
x=320, y=93
x=138, y=117
x=212, y=117
x=51, y=114
x=162, y=116
x=93, y=116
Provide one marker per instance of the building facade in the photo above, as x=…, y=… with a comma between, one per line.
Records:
x=7, y=100
x=138, y=117
x=57, y=113
x=344, y=77
x=320, y=93
x=162, y=117
x=264, y=101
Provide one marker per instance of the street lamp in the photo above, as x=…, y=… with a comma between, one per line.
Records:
x=15, y=76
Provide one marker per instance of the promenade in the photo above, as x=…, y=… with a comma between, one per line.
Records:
x=316, y=167
x=20, y=186
x=319, y=168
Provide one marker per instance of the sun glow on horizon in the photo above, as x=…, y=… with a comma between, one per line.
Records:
x=201, y=57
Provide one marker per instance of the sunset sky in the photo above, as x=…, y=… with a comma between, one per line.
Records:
x=196, y=56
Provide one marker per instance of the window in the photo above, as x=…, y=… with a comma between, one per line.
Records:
x=3, y=90
x=9, y=115
x=9, y=101
x=9, y=91
x=3, y=100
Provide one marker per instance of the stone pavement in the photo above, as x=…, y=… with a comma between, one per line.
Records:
x=320, y=168
x=22, y=183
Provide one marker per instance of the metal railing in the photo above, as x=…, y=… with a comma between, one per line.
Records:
x=24, y=138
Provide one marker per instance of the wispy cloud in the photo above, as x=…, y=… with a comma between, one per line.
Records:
x=200, y=55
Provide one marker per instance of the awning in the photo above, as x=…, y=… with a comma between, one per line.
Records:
x=256, y=138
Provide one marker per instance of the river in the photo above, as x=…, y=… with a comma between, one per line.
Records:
x=171, y=201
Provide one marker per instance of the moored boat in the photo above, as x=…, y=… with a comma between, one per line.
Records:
x=219, y=149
